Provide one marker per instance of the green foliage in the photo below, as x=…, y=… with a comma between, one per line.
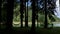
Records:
x=41, y=18
x=50, y=9
x=3, y=12
x=16, y=14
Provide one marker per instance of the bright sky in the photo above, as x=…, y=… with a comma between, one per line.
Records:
x=57, y=9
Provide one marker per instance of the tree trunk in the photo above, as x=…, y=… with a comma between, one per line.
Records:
x=33, y=16
x=10, y=6
x=0, y=11
x=26, y=15
x=46, y=22
x=21, y=11
x=37, y=14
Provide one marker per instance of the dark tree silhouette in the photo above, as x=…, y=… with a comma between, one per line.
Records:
x=46, y=23
x=10, y=7
x=0, y=10
x=33, y=15
x=26, y=14
x=36, y=17
x=21, y=11
x=47, y=7
x=49, y=11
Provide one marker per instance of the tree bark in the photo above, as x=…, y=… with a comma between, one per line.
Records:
x=33, y=16
x=0, y=12
x=26, y=14
x=10, y=7
x=21, y=11
x=46, y=22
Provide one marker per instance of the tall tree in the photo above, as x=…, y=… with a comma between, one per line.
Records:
x=33, y=15
x=47, y=7
x=10, y=7
x=46, y=23
x=26, y=14
x=0, y=10
x=49, y=10
x=21, y=11
x=36, y=17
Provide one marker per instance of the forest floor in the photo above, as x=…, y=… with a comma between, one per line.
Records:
x=18, y=30
x=28, y=31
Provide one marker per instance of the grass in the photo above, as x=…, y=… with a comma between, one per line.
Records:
x=27, y=30
x=24, y=30
x=48, y=31
x=42, y=30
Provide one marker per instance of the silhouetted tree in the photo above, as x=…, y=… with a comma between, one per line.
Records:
x=26, y=14
x=33, y=15
x=36, y=17
x=0, y=10
x=21, y=11
x=47, y=7
x=10, y=7
x=46, y=23
x=49, y=10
